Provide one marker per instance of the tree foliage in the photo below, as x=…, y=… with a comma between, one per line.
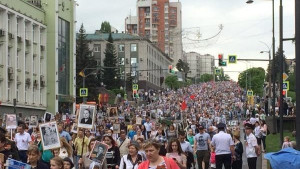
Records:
x=183, y=67
x=111, y=75
x=277, y=65
x=253, y=78
x=105, y=27
x=172, y=82
x=84, y=60
x=206, y=77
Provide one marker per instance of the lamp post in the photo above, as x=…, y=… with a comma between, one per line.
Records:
x=297, y=47
x=269, y=52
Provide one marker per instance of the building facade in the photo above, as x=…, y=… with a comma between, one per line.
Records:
x=138, y=57
x=160, y=21
x=30, y=55
x=199, y=64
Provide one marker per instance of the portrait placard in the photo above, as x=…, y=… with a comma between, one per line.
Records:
x=98, y=152
x=33, y=121
x=49, y=134
x=47, y=117
x=116, y=128
x=112, y=112
x=138, y=120
x=11, y=121
x=86, y=116
x=74, y=128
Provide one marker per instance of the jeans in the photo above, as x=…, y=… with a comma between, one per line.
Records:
x=252, y=162
x=223, y=159
x=76, y=159
x=23, y=155
x=203, y=155
x=264, y=142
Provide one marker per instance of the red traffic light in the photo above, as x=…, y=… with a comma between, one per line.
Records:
x=220, y=56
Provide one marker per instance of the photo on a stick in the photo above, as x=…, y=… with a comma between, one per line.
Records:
x=49, y=134
x=86, y=116
x=33, y=121
x=11, y=121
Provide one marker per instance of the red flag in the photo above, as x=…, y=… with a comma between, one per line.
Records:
x=183, y=105
x=192, y=97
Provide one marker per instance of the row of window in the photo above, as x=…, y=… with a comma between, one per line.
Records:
x=121, y=47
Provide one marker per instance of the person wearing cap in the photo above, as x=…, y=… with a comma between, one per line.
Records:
x=132, y=159
x=252, y=148
x=224, y=147
x=201, y=143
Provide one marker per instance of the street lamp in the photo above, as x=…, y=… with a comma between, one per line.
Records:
x=269, y=69
x=83, y=79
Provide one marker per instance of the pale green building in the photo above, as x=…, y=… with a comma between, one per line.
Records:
x=37, y=56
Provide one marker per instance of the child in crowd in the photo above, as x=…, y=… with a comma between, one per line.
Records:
x=213, y=158
x=286, y=143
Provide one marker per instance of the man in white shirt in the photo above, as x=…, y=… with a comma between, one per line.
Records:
x=187, y=149
x=22, y=140
x=252, y=149
x=148, y=127
x=224, y=147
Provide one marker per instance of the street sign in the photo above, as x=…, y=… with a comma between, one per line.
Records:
x=135, y=87
x=286, y=85
x=232, y=59
x=249, y=93
x=217, y=71
x=285, y=76
x=83, y=92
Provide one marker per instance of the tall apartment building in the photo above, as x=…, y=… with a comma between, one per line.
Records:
x=37, y=48
x=138, y=57
x=199, y=64
x=160, y=21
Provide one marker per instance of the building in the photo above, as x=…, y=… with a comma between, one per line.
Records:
x=160, y=21
x=139, y=58
x=199, y=64
x=37, y=45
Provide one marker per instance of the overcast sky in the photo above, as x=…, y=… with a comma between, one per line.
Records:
x=245, y=26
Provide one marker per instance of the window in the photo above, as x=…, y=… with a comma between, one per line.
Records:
x=97, y=48
x=122, y=61
x=133, y=61
x=8, y=91
x=121, y=48
x=17, y=93
x=133, y=47
x=9, y=22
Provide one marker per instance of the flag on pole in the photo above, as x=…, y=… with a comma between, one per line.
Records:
x=81, y=74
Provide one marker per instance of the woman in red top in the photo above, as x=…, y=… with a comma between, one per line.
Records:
x=155, y=161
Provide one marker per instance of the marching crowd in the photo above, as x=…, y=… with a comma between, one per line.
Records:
x=195, y=126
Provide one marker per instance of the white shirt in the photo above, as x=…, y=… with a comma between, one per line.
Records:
x=148, y=126
x=22, y=141
x=250, y=148
x=222, y=142
x=186, y=147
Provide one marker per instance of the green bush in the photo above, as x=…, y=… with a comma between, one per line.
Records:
x=118, y=91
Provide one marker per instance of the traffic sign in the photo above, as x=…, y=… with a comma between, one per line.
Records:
x=135, y=87
x=217, y=71
x=286, y=85
x=83, y=92
x=285, y=76
x=232, y=59
x=249, y=93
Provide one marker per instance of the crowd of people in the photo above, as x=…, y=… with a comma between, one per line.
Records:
x=189, y=127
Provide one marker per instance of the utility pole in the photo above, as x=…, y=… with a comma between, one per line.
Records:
x=273, y=69
x=281, y=69
x=297, y=47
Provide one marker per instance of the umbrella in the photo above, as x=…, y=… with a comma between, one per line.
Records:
x=285, y=158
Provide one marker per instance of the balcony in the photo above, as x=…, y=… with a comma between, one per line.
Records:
x=147, y=15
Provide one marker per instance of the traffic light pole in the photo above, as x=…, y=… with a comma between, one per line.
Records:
x=297, y=47
x=83, y=86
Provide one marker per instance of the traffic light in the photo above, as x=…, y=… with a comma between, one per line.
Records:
x=221, y=62
x=170, y=68
x=135, y=94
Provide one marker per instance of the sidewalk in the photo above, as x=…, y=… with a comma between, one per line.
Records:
x=264, y=163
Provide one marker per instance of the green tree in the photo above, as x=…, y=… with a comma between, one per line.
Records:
x=105, y=27
x=253, y=78
x=183, y=67
x=84, y=60
x=277, y=65
x=172, y=82
x=111, y=75
x=206, y=77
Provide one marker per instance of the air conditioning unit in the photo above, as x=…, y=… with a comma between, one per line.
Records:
x=10, y=77
x=19, y=39
x=10, y=70
x=11, y=36
x=141, y=59
x=28, y=81
x=2, y=32
x=42, y=47
x=43, y=83
x=35, y=83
